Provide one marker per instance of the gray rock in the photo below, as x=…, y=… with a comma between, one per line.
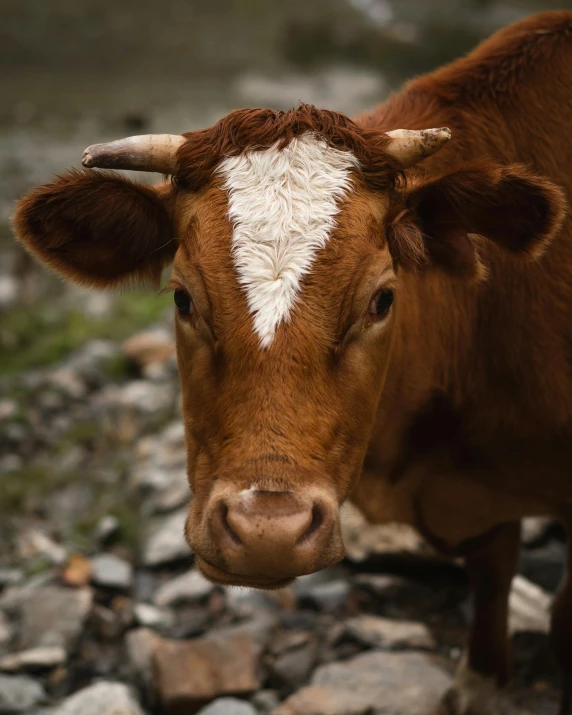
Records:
x=111, y=571
x=329, y=596
x=107, y=526
x=18, y=693
x=529, y=607
x=228, y=706
x=53, y=616
x=9, y=577
x=293, y=667
x=141, y=644
x=189, y=587
x=153, y=617
x=6, y=630
x=166, y=541
x=42, y=657
x=389, y=634
x=265, y=701
x=389, y=683
x=104, y=698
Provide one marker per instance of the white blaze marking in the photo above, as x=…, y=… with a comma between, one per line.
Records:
x=282, y=204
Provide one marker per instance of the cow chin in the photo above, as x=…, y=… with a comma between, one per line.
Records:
x=224, y=578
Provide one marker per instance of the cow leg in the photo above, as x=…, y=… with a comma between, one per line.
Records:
x=486, y=664
x=561, y=630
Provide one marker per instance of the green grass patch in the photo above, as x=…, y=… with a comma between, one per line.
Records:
x=37, y=336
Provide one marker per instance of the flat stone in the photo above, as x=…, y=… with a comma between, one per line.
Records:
x=329, y=596
x=166, y=541
x=389, y=634
x=529, y=607
x=53, y=616
x=189, y=587
x=39, y=658
x=389, y=683
x=141, y=643
x=191, y=673
x=19, y=693
x=228, y=706
x=111, y=571
x=103, y=698
x=153, y=617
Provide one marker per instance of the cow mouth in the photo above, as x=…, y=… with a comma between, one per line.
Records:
x=225, y=578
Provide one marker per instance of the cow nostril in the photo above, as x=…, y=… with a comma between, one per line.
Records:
x=317, y=521
x=223, y=518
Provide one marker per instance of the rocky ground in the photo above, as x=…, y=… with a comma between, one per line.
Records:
x=101, y=610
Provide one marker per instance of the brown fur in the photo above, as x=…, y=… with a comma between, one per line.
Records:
x=456, y=414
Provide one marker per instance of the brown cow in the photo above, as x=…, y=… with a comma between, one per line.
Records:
x=354, y=323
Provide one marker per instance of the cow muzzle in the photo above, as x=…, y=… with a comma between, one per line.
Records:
x=265, y=539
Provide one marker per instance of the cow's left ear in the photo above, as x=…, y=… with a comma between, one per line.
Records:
x=511, y=206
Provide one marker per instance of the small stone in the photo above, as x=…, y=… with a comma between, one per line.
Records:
x=194, y=672
x=330, y=596
x=18, y=693
x=293, y=667
x=228, y=706
x=10, y=577
x=166, y=541
x=53, y=616
x=388, y=683
x=33, y=542
x=189, y=587
x=6, y=630
x=534, y=529
x=39, y=658
x=106, y=527
x=529, y=607
x=108, y=625
x=8, y=408
x=103, y=698
x=110, y=571
x=389, y=634
x=77, y=571
x=149, y=347
x=141, y=644
x=265, y=701
x=153, y=617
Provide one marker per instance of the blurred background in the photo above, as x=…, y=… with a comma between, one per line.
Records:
x=96, y=582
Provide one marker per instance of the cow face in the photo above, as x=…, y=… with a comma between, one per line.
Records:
x=289, y=236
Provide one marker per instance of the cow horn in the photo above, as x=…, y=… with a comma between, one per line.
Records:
x=149, y=152
x=409, y=146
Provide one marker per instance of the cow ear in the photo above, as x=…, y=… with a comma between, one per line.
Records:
x=511, y=206
x=97, y=229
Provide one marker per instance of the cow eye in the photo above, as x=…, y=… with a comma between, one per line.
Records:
x=380, y=304
x=183, y=301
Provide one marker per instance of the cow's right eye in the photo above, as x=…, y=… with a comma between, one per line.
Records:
x=183, y=301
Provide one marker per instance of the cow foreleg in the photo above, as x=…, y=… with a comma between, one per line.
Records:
x=561, y=629
x=486, y=664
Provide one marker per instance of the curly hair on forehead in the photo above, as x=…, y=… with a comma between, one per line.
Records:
x=256, y=129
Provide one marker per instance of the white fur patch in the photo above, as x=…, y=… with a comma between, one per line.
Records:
x=282, y=204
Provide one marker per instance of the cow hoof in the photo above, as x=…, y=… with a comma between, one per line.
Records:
x=475, y=694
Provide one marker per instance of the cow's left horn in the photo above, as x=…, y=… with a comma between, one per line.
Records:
x=409, y=146
x=150, y=152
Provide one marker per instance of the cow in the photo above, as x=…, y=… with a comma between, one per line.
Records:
x=374, y=309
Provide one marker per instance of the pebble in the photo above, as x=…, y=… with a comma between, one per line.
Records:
x=330, y=596
x=53, y=616
x=110, y=571
x=390, y=683
x=228, y=706
x=389, y=634
x=166, y=540
x=103, y=698
x=19, y=693
x=194, y=672
x=38, y=658
x=153, y=617
x=529, y=607
x=189, y=587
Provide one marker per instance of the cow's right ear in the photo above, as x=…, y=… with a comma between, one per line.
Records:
x=97, y=229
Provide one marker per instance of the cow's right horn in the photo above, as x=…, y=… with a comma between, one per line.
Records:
x=149, y=152
x=410, y=146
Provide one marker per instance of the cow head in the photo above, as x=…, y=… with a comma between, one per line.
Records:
x=288, y=234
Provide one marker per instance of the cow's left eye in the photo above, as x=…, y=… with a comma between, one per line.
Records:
x=183, y=301
x=380, y=304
